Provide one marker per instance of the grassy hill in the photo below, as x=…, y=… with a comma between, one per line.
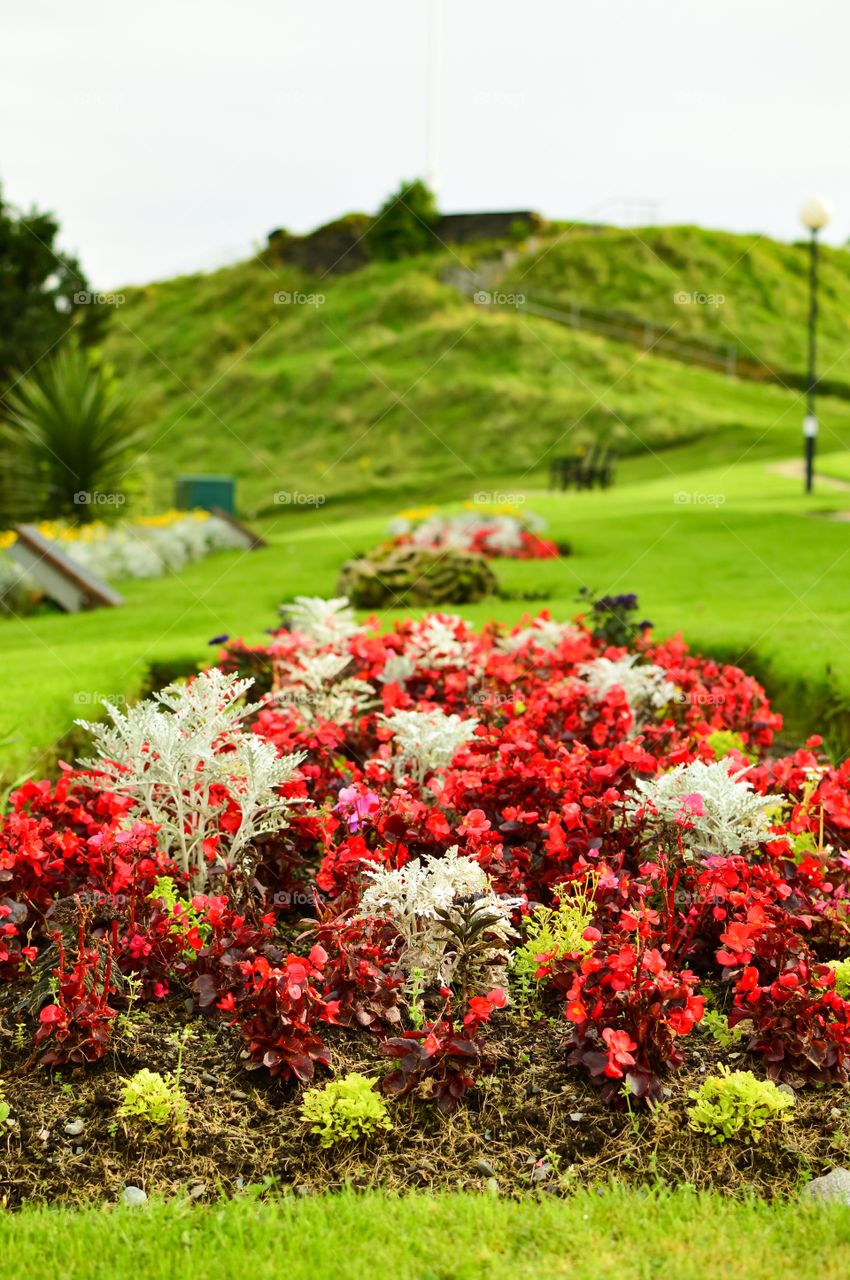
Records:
x=756, y=289
x=396, y=386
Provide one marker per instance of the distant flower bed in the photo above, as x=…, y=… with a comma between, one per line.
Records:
x=146, y=547
x=503, y=532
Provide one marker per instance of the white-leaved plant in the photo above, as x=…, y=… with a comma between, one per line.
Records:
x=172, y=755
x=645, y=685
x=713, y=810
x=424, y=741
x=414, y=897
x=325, y=622
x=316, y=684
x=544, y=633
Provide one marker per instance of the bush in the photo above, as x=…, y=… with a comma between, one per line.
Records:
x=150, y=1101
x=345, y=1110
x=734, y=1104
x=409, y=576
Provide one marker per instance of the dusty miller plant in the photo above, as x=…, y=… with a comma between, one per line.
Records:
x=424, y=741
x=319, y=688
x=325, y=622
x=183, y=757
x=712, y=809
x=645, y=685
x=447, y=915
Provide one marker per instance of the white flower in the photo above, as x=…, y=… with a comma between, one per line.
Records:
x=645, y=685
x=414, y=896
x=425, y=741
x=325, y=622
x=713, y=810
x=434, y=642
x=167, y=753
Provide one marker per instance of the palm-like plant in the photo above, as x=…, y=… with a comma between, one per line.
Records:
x=67, y=433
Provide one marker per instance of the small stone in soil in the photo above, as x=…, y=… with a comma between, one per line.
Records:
x=75, y=1127
x=484, y=1168
x=133, y=1195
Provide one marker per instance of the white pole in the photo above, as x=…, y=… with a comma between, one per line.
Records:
x=433, y=116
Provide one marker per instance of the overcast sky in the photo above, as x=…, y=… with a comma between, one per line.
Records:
x=172, y=135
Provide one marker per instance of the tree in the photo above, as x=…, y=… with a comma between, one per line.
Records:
x=38, y=288
x=67, y=439
x=404, y=224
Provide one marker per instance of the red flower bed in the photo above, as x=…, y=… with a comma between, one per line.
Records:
x=554, y=762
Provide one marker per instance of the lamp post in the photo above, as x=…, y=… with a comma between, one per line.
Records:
x=815, y=214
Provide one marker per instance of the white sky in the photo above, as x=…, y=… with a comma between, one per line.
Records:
x=172, y=135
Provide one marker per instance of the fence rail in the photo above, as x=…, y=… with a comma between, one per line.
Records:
x=622, y=327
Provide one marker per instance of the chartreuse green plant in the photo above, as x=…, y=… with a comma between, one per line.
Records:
x=716, y=1025
x=841, y=969
x=153, y=1104
x=736, y=1104
x=345, y=1109
x=724, y=741
x=555, y=931
x=5, y=1110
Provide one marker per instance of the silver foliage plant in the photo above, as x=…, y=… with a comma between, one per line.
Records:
x=325, y=622
x=425, y=741
x=424, y=898
x=714, y=810
x=317, y=685
x=645, y=685
x=172, y=751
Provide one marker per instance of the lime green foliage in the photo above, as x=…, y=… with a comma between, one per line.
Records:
x=165, y=890
x=152, y=1102
x=735, y=1104
x=716, y=1025
x=345, y=1109
x=599, y=1234
x=842, y=977
x=555, y=931
x=722, y=741
x=5, y=1110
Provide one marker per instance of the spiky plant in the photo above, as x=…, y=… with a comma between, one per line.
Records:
x=68, y=432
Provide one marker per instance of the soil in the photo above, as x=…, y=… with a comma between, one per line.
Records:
x=533, y=1125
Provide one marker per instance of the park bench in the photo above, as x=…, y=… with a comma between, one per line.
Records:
x=584, y=469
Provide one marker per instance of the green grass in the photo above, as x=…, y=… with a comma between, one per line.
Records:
x=759, y=579
x=613, y=1235
x=396, y=385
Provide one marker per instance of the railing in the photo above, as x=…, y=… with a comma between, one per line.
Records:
x=622, y=327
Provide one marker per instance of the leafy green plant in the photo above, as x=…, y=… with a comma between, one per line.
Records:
x=5, y=1109
x=344, y=1110
x=404, y=224
x=153, y=1102
x=735, y=1104
x=841, y=968
x=716, y=1025
x=722, y=741
x=555, y=931
x=69, y=439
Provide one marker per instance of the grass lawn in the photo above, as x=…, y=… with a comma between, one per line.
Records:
x=612, y=1235
x=745, y=567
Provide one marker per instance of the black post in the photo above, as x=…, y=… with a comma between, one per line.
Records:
x=810, y=427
